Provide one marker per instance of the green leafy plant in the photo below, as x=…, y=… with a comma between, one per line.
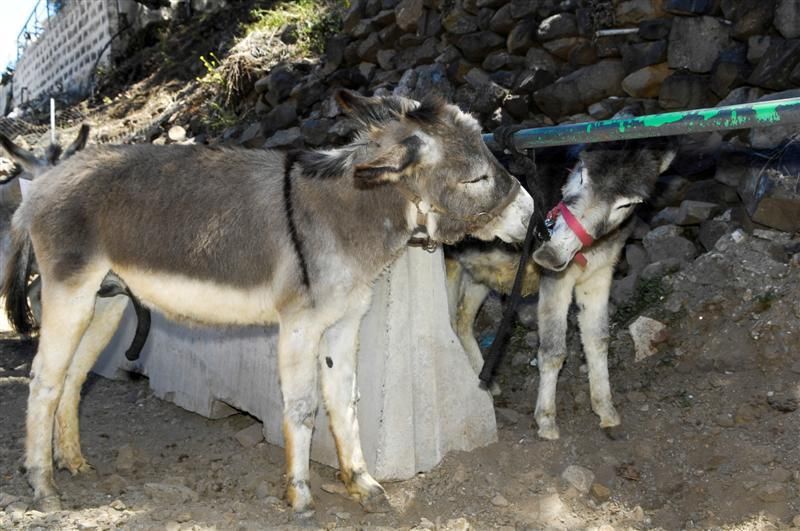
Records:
x=212, y=76
x=314, y=21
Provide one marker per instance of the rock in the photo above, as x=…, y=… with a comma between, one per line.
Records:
x=118, y=505
x=170, y=494
x=7, y=499
x=636, y=257
x=696, y=42
x=432, y=79
x=711, y=231
x=517, y=106
x=757, y=46
x=655, y=29
x=741, y=95
x=281, y=117
x=532, y=341
x=646, y=82
x=772, y=491
x=526, y=313
x=280, y=82
x=666, y=242
x=684, y=91
x=523, y=8
x=522, y=36
x=787, y=18
x=646, y=333
x=251, y=435
x=606, y=108
x=368, y=48
x=634, y=11
x=573, y=93
x=557, y=26
x=417, y=55
x=639, y=55
x=623, y=289
x=176, y=133
x=502, y=22
x=774, y=70
x=499, y=501
x=489, y=94
x=770, y=194
x=17, y=507
x=285, y=138
x=731, y=70
x=408, y=14
x=507, y=415
x=252, y=137
x=126, y=458
x=502, y=59
x=600, y=492
x=537, y=58
x=783, y=402
x=694, y=212
x=689, y=7
x=458, y=22
x=579, y=477
x=563, y=48
x=475, y=46
x=749, y=16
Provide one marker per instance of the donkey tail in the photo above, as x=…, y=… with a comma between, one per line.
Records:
x=15, y=283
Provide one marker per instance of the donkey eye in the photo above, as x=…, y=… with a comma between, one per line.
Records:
x=479, y=179
x=626, y=205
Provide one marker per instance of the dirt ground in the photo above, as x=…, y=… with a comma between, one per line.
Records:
x=709, y=437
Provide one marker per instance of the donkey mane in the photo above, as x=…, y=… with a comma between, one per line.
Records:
x=326, y=164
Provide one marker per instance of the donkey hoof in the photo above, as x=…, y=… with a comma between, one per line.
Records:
x=376, y=503
x=549, y=432
x=76, y=466
x=48, y=504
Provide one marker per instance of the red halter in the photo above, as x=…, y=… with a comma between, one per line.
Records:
x=575, y=226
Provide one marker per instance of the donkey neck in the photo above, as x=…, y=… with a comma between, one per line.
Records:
x=368, y=226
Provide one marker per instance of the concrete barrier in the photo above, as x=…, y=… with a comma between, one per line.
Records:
x=419, y=396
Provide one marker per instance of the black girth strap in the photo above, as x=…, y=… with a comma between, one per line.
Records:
x=291, y=158
x=537, y=232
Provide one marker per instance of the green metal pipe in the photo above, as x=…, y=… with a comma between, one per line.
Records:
x=744, y=116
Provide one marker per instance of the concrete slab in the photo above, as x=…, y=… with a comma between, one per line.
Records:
x=419, y=396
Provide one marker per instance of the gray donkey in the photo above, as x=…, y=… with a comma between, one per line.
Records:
x=239, y=237
x=589, y=227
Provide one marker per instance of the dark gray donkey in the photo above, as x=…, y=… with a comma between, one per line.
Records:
x=229, y=236
x=590, y=223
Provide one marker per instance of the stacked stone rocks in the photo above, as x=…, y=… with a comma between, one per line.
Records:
x=540, y=62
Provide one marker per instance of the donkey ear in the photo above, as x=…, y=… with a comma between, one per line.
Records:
x=79, y=143
x=371, y=111
x=23, y=157
x=388, y=166
x=667, y=156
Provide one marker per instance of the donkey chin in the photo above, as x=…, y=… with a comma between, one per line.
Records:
x=557, y=253
x=512, y=223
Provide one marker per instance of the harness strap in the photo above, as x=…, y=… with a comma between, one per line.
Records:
x=575, y=226
x=289, y=161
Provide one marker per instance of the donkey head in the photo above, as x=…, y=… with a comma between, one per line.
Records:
x=435, y=156
x=600, y=194
x=36, y=166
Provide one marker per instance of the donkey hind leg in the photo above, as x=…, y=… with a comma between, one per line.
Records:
x=592, y=298
x=298, y=345
x=555, y=295
x=67, y=313
x=67, y=446
x=340, y=391
x=471, y=299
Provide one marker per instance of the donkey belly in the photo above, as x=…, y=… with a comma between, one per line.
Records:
x=186, y=299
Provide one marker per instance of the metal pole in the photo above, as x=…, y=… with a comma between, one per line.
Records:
x=52, y=121
x=744, y=116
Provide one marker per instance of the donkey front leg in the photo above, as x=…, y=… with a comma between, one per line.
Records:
x=67, y=313
x=340, y=391
x=592, y=298
x=298, y=343
x=555, y=295
x=107, y=315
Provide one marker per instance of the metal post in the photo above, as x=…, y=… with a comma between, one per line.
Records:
x=52, y=121
x=744, y=116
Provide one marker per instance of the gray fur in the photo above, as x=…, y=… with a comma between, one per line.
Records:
x=197, y=222
x=606, y=174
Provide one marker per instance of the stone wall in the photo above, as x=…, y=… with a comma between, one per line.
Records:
x=62, y=58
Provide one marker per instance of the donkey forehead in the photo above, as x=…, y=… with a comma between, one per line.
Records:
x=620, y=173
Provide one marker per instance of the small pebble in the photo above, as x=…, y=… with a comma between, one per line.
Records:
x=500, y=501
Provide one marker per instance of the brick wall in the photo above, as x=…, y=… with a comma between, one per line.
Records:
x=62, y=58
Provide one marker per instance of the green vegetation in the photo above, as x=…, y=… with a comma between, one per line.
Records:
x=212, y=76
x=314, y=21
